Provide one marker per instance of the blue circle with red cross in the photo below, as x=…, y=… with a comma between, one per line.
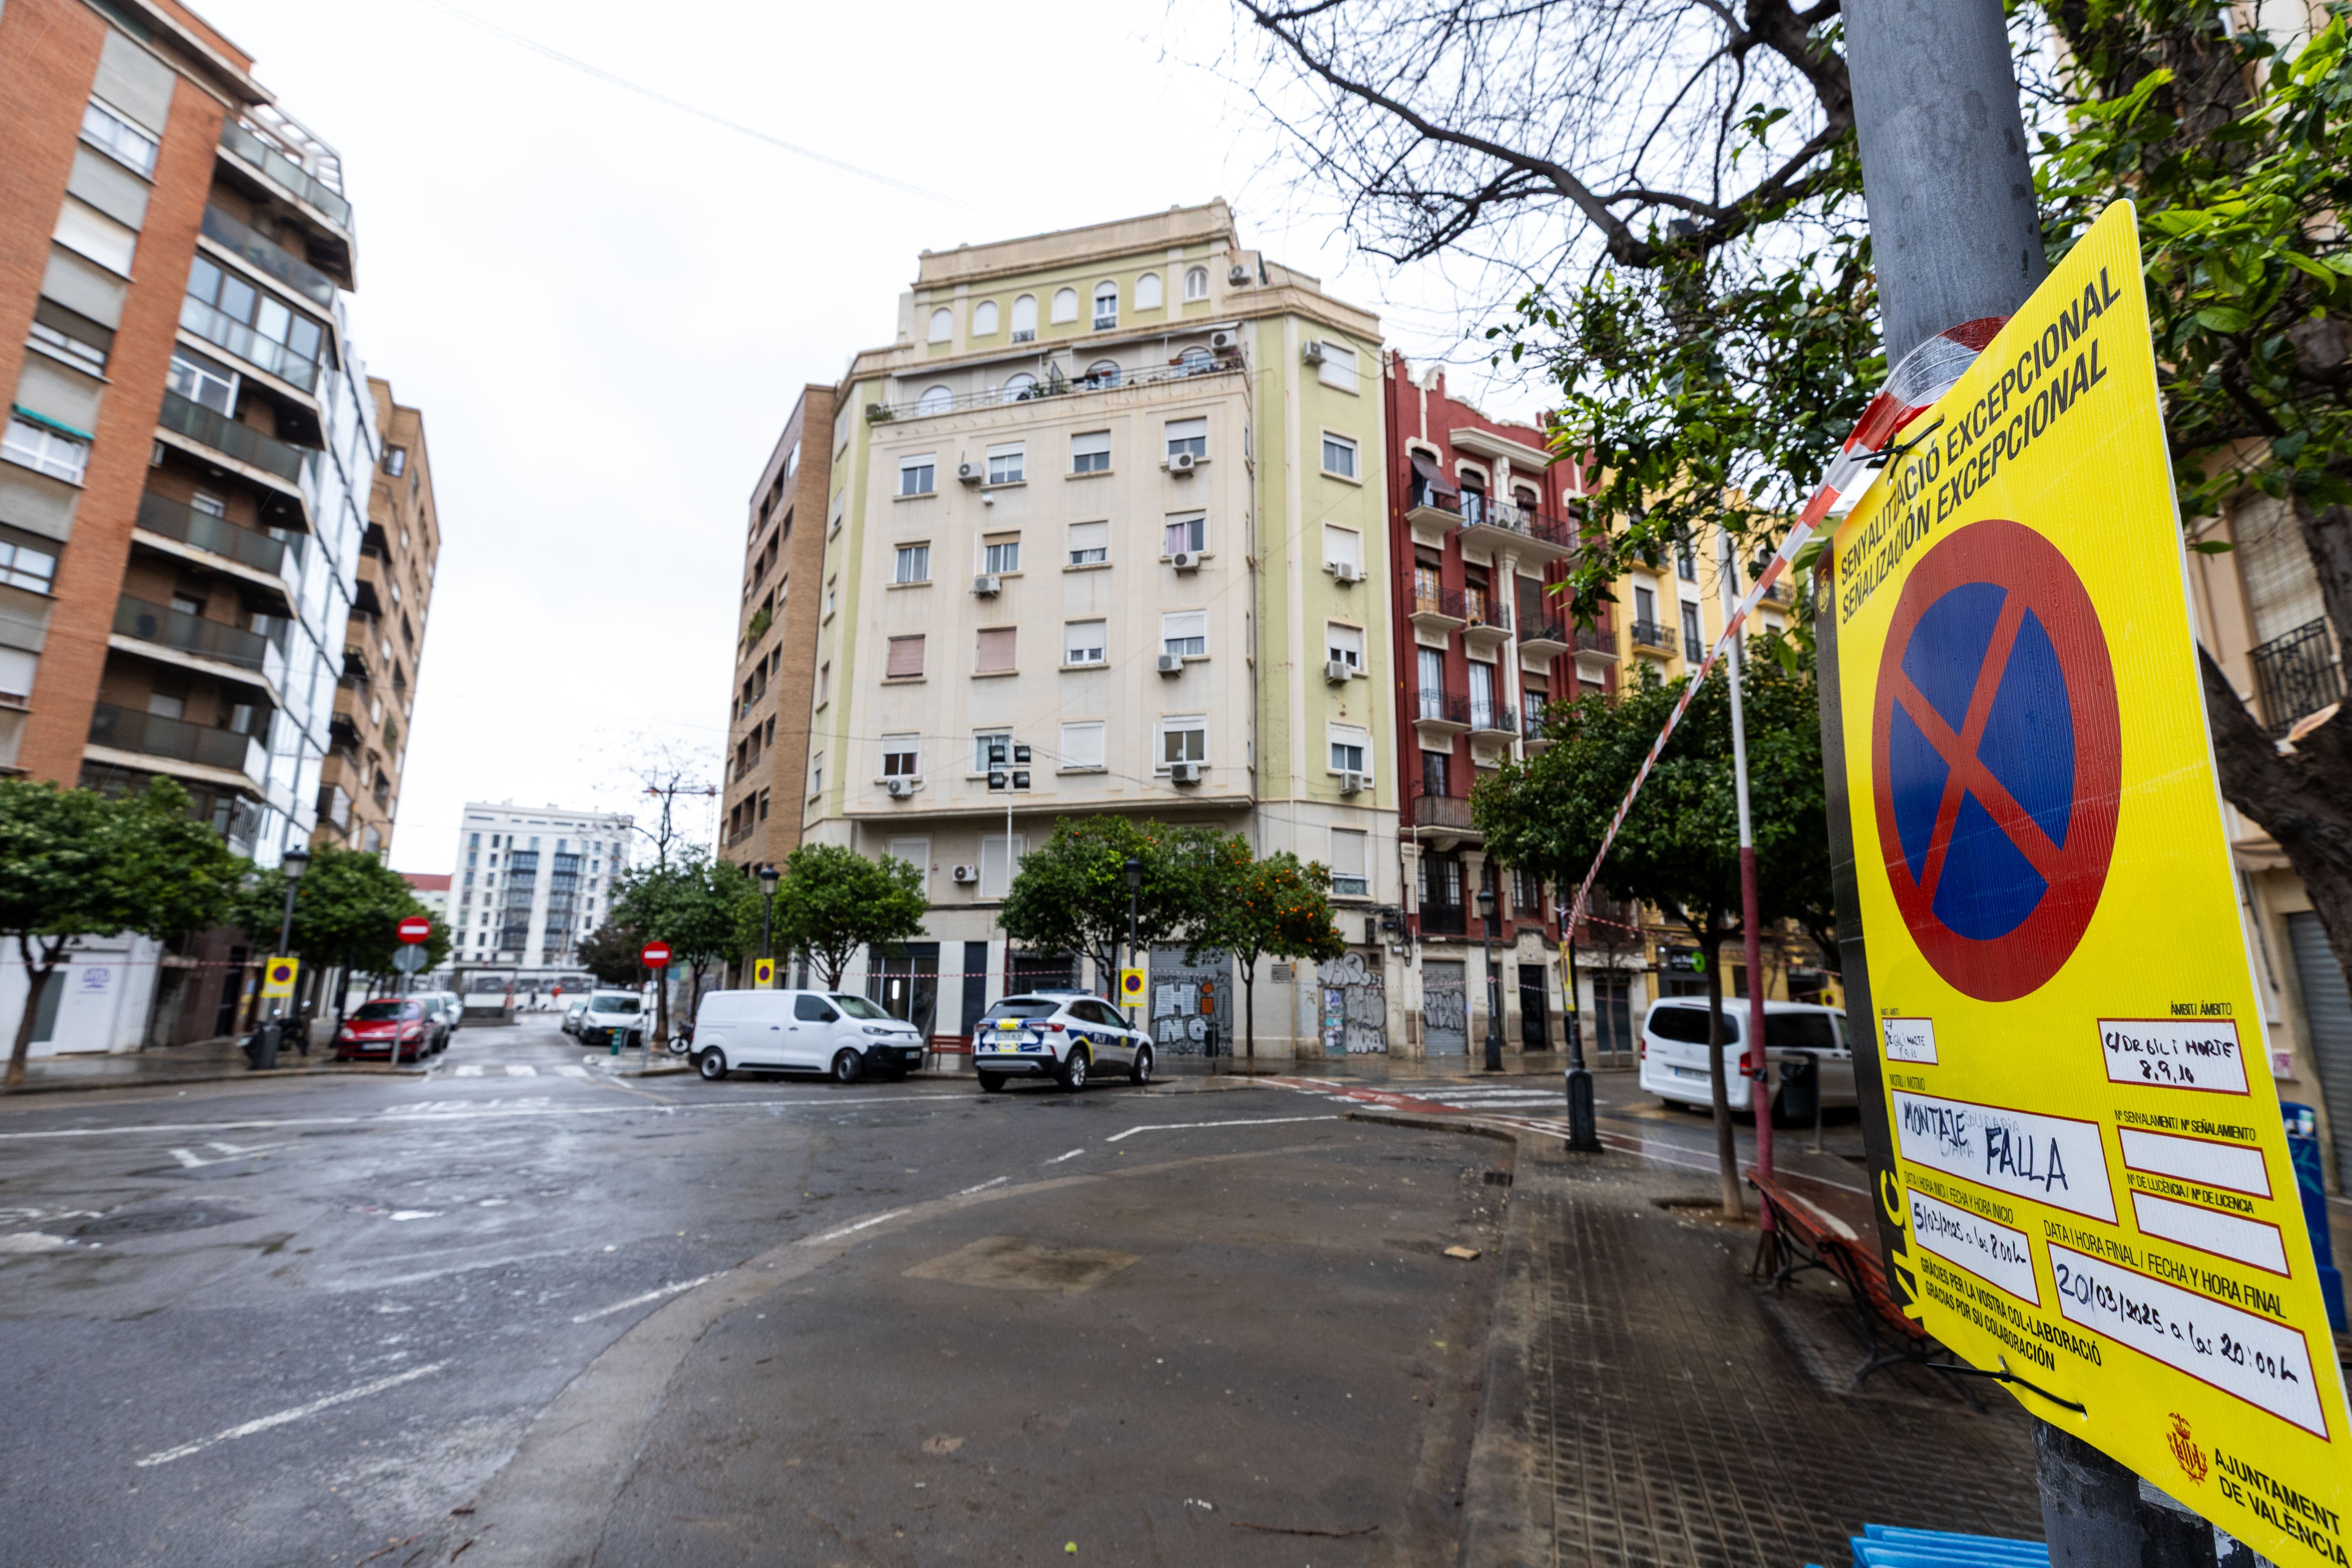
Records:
x=1996, y=759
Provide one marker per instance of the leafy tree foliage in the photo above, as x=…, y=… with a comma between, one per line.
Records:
x=610, y=954
x=1679, y=847
x=833, y=901
x=687, y=900
x=348, y=907
x=75, y=864
x=1277, y=907
x=1071, y=894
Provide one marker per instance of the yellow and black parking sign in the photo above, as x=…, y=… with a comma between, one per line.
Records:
x=277, y=977
x=764, y=974
x=1131, y=988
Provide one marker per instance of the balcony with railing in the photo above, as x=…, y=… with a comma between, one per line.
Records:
x=269, y=259
x=1649, y=636
x=169, y=518
x=192, y=633
x=1439, y=809
x=1492, y=716
x=1437, y=608
x=1693, y=649
x=2297, y=675
x=287, y=175
x=1444, y=919
x=1486, y=619
x=211, y=427
x=154, y=735
x=1440, y=712
x=1544, y=637
x=1486, y=523
x=1599, y=641
x=224, y=332
x=1531, y=723
x=1193, y=364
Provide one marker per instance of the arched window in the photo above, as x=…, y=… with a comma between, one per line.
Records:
x=1104, y=372
x=984, y=319
x=1147, y=292
x=942, y=324
x=938, y=400
x=1195, y=360
x=1196, y=283
x=1019, y=386
x=1024, y=318
x=1066, y=305
x=1105, y=305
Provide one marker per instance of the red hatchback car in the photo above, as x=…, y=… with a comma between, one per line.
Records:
x=383, y=1028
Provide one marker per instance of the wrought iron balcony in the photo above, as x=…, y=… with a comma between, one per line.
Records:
x=1056, y=385
x=223, y=434
x=2297, y=675
x=1433, y=809
x=1693, y=649
x=1442, y=709
x=1598, y=640
x=1489, y=715
x=1551, y=536
x=154, y=735
x=1437, y=608
x=1650, y=635
x=1543, y=636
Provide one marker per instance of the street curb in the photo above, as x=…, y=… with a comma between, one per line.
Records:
x=1500, y=1522
x=240, y=1075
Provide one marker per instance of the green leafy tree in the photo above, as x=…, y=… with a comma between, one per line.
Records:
x=1277, y=907
x=688, y=902
x=833, y=901
x=1679, y=847
x=347, y=906
x=610, y=954
x=74, y=863
x=1071, y=895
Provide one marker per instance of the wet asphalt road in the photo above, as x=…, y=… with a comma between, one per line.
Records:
x=663, y=1321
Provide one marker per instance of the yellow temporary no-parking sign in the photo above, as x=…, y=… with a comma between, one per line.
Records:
x=2083, y=1153
x=277, y=977
x=1131, y=988
x=764, y=974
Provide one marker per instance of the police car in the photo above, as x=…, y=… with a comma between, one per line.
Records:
x=1067, y=1035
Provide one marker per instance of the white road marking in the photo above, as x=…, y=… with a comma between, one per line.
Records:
x=1252, y=1121
x=187, y=1157
x=983, y=1186
x=463, y=1110
x=417, y=1214
x=299, y=1413
x=471, y=1069
x=1071, y=1155
x=648, y=1295
x=570, y=1071
x=521, y=1069
x=861, y=1224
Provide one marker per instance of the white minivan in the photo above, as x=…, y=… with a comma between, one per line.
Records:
x=834, y=1032
x=1674, y=1050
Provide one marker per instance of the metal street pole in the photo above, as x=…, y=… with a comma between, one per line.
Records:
x=292, y=864
x=1583, y=1133
x=1954, y=237
x=1759, y=1066
x=1493, y=981
x=1134, y=870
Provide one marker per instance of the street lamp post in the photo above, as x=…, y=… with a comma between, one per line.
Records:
x=293, y=863
x=1493, y=983
x=1583, y=1135
x=769, y=877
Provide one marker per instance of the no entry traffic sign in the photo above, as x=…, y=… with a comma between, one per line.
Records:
x=415, y=928
x=1995, y=759
x=655, y=955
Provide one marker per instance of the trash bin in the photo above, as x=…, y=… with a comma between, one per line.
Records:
x=2303, y=1144
x=1800, y=1100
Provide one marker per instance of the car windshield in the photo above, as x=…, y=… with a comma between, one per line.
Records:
x=1688, y=1025
x=1020, y=1007
x=613, y=1004
x=856, y=1007
x=1799, y=1031
x=386, y=1012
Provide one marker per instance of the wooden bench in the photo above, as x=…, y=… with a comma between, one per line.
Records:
x=1804, y=1236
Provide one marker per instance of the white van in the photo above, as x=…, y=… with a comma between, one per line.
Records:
x=834, y=1032
x=613, y=1016
x=1673, y=1049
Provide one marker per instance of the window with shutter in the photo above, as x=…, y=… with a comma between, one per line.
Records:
x=906, y=658
x=995, y=653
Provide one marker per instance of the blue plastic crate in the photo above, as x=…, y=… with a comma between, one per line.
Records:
x=1892, y=1546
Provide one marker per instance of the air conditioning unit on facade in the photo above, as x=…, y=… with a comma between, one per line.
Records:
x=1171, y=664
x=987, y=585
x=1337, y=671
x=1186, y=561
x=1346, y=572
x=1182, y=462
x=1237, y=274
x=1184, y=773
x=1312, y=353
x=1223, y=343
x=1355, y=783
x=899, y=788
x=969, y=473
x=966, y=873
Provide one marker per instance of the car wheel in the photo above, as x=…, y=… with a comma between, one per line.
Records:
x=990, y=1082
x=848, y=1067
x=1074, y=1069
x=711, y=1064
x=1141, y=1073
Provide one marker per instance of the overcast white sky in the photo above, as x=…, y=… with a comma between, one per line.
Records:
x=605, y=306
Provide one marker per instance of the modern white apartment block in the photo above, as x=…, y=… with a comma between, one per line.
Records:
x=529, y=883
x=1105, y=534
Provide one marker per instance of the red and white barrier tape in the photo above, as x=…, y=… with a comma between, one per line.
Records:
x=1925, y=374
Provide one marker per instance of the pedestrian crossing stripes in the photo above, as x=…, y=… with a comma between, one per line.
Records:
x=513, y=1069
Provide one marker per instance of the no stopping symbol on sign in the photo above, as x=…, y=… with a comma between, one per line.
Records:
x=1996, y=759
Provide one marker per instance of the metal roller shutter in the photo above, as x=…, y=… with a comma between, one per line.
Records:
x=2327, y=1007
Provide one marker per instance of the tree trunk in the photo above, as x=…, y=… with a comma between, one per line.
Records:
x=2301, y=799
x=1726, y=1147
x=37, y=986
x=1249, y=1014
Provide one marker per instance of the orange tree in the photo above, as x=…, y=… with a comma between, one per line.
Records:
x=1277, y=906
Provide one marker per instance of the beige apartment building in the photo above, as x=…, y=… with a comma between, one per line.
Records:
x=383, y=640
x=776, y=641
x=1104, y=532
